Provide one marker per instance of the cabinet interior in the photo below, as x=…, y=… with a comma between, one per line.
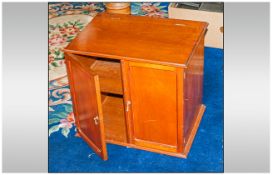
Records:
x=111, y=88
x=114, y=118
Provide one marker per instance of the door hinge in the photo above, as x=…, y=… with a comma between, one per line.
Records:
x=96, y=119
x=128, y=105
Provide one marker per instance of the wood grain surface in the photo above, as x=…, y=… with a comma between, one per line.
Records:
x=118, y=36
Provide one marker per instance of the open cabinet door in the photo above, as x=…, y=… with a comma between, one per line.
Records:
x=85, y=91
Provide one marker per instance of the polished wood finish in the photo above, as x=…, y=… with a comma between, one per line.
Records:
x=86, y=97
x=138, y=38
x=114, y=119
x=199, y=114
x=193, y=88
x=127, y=98
x=153, y=91
x=129, y=145
x=150, y=82
x=180, y=117
x=183, y=154
x=109, y=72
x=118, y=7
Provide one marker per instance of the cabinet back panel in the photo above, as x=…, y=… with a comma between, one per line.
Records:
x=154, y=103
x=114, y=119
x=109, y=73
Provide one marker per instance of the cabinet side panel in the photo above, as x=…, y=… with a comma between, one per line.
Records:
x=193, y=88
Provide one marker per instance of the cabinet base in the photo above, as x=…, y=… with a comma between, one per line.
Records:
x=186, y=148
x=194, y=129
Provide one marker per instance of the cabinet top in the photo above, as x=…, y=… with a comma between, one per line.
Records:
x=118, y=36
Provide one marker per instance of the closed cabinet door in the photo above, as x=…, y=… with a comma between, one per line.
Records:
x=153, y=91
x=87, y=106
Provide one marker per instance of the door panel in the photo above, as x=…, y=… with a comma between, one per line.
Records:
x=87, y=106
x=153, y=93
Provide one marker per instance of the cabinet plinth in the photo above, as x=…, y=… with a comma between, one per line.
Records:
x=137, y=86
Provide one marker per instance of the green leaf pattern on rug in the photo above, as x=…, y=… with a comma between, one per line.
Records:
x=53, y=129
x=60, y=35
x=60, y=115
x=65, y=131
x=62, y=120
x=53, y=120
x=68, y=108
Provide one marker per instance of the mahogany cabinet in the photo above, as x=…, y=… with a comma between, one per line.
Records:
x=137, y=82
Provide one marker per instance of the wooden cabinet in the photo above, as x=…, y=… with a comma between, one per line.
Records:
x=137, y=86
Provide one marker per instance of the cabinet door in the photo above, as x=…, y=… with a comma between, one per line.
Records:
x=87, y=106
x=154, y=108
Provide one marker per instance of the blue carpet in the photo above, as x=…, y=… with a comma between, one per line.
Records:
x=72, y=154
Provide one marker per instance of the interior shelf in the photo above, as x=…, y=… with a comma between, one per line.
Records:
x=109, y=76
x=109, y=72
x=114, y=118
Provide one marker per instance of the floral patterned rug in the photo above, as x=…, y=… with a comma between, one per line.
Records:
x=61, y=31
x=154, y=9
x=56, y=9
